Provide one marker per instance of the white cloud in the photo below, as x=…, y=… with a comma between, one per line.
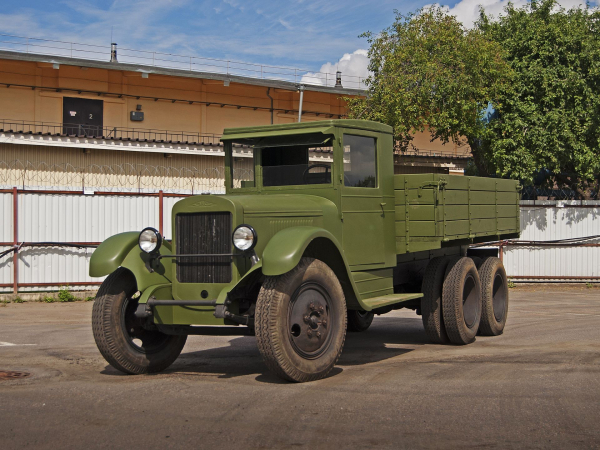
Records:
x=354, y=68
x=467, y=11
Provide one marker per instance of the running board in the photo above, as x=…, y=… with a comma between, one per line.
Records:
x=391, y=299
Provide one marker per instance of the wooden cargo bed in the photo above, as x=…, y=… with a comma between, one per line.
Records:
x=435, y=210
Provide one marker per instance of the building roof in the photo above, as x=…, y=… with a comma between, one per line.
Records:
x=276, y=84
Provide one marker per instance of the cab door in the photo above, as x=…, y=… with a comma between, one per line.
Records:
x=362, y=204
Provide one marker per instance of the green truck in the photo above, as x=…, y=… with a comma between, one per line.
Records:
x=314, y=236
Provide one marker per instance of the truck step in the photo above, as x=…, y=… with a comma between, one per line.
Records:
x=391, y=299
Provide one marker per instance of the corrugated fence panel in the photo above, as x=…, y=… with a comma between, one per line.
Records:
x=545, y=223
x=83, y=218
x=551, y=221
x=69, y=218
x=552, y=261
x=54, y=265
x=6, y=221
x=45, y=217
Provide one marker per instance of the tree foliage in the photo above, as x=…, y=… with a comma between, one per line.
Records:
x=539, y=66
x=429, y=73
x=549, y=116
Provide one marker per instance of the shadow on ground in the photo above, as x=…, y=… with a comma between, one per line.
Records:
x=242, y=358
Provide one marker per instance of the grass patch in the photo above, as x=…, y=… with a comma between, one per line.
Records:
x=48, y=299
x=89, y=299
x=589, y=285
x=18, y=300
x=64, y=295
x=511, y=284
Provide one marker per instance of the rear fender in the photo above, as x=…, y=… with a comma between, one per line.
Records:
x=122, y=250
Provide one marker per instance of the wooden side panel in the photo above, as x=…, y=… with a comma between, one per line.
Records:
x=435, y=208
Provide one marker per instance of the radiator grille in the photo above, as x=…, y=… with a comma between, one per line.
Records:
x=203, y=233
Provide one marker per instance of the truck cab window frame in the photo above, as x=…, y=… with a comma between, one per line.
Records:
x=359, y=155
x=297, y=161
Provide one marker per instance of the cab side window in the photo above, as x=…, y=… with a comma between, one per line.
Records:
x=360, y=161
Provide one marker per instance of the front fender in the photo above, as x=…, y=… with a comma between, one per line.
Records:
x=121, y=250
x=284, y=250
x=110, y=254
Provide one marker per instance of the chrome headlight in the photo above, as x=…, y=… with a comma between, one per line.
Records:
x=244, y=238
x=150, y=240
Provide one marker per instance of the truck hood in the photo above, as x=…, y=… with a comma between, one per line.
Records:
x=296, y=205
x=272, y=205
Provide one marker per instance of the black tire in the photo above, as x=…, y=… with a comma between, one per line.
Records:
x=478, y=261
x=120, y=337
x=431, y=303
x=494, y=297
x=359, y=320
x=461, y=301
x=309, y=297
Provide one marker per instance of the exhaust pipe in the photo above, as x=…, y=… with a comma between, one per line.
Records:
x=113, y=53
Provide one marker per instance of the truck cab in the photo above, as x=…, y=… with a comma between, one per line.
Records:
x=313, y=236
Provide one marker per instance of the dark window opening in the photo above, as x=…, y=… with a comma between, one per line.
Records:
x=292, y=160
x=82, y=116
x=290, y=166
x=360, y=161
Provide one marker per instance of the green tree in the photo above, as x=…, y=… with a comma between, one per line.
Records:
x=428, y=72
x=548, y=118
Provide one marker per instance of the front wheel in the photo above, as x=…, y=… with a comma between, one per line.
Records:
x=121, y=337
x=301, y=321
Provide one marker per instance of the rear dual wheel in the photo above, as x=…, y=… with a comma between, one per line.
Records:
x=431, y=303
x=462, y=296
x=461, y=301
x=494, y=286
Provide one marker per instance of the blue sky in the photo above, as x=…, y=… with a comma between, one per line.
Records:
x=299, y=33
x=303, y=33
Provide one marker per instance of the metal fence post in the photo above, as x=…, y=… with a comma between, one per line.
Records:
x=15, y=241
x=160, y=212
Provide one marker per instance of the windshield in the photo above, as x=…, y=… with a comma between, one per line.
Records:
x=293, y=161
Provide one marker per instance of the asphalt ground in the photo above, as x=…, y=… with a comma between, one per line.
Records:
x=536, y=386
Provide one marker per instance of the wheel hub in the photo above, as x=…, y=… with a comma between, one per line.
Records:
x=309, y=322
x=139, y=338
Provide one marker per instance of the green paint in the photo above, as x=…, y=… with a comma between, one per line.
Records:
x=359, y=231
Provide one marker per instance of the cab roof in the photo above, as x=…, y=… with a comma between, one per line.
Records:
x=321, y=126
